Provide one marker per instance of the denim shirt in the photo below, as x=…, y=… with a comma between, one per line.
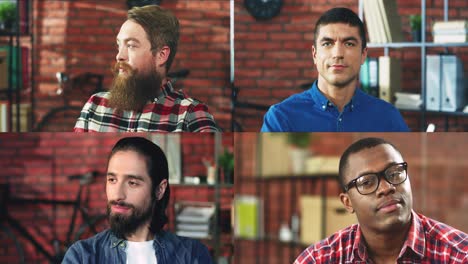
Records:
x=107, y=248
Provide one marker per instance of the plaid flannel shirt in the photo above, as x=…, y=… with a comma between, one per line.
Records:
x=428, y=241
x=172, y=111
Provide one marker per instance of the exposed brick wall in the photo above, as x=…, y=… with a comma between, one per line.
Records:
x=79, y=36
x=436, y=168
x=273, y=58
x=36, y=165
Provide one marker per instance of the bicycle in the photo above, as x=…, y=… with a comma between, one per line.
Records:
x=91, y=224
x=63, y=118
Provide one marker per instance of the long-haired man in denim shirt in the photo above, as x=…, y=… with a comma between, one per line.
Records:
x=137, y=196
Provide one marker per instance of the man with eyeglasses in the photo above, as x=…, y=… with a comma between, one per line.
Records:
x=376, y=186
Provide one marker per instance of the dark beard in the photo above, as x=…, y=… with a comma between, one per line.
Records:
x=132, y=90
x=122, y=225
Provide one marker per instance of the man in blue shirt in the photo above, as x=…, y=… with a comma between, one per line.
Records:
x=334, y=102
x=137, y=194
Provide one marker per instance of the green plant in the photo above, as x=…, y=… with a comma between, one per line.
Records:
x=415, y=22
x=226, y=160
x=300, y=140
x=7, y=12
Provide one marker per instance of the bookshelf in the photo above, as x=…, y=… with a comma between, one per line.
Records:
x=279, y=209
x=423, y=114
x=18, y=40
x=218, y=194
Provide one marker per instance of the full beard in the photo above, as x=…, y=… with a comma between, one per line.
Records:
x=122, y=225
x=132, y=90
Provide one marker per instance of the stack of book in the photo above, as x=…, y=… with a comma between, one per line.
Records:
x=195, y=221
x=408, y=101
x=450, y=31
x=382, y=21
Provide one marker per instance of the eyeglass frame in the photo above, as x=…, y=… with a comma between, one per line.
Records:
x=380, y=174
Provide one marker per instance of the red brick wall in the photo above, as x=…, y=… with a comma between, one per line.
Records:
x=79, y=36
x=436, y=167
x=273, y=58
x=36, y=165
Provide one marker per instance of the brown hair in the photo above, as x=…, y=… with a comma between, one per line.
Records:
x=161, y=27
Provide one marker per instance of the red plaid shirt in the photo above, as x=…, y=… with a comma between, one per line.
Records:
x=428, y=241
x=170, y=112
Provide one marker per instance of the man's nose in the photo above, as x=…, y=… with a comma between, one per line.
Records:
x=385, y=188
x=338, y=50
x=122, y=54
x=117, y=192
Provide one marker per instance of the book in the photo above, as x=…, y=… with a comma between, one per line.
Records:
x=19, y=66
x=3, y=70
x=24, y=117
x=364, y=76
x=391, y=21
x=248, y=217
x=408, y=101
x=369, y=16
x=389, y=78
x=448, y=25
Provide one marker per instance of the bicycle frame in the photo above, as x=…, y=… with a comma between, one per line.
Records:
x=56, y=256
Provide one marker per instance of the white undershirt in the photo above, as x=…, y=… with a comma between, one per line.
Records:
x=141, y=252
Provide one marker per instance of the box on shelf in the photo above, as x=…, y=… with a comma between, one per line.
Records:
x=311, y=218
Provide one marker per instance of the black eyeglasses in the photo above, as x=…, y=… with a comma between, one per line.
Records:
x=369, y=183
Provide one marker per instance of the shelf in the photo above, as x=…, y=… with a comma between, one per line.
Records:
x=189, y=185
x=274, y=239
x=322, y=176
x=415, y=45
x=457, y=113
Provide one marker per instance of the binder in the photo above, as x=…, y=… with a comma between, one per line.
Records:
x=453, y=90
x=433, y=82
x=389, y=78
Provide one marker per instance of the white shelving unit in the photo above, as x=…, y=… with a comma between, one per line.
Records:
x=423, y=45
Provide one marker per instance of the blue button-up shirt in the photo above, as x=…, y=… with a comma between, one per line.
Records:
x=311, y=111
x=107, y=248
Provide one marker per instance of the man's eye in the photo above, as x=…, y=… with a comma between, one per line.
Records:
x=326, y=44
x=350, y=44
x=110, y=180
x=133, y=183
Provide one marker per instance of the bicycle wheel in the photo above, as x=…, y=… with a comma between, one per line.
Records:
x=60, y=119
x=95, y=225
x=11, y=250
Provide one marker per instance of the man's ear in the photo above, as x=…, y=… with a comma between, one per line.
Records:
x=344, y=197
x=161, y=190
x=314, y=52
x=162, y=55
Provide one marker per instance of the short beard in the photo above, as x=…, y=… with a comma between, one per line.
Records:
x=132, y=90
x=121, y=225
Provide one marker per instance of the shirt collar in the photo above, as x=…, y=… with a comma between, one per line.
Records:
x=323, y=103
x=415, y=240
x=121, y=242
x=166, y=89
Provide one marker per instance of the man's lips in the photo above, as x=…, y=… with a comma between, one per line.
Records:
x=338, y=66
x=120, y=208
x=389, y=205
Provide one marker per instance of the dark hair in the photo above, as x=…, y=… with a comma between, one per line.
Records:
x=341, y=15
x=357, y=146
x=161, y=27
x=156, y=163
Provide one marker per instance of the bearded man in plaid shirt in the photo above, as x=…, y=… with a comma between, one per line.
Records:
x=377, y=188
x=141, y=97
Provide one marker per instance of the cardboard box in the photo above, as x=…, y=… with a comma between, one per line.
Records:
x=311, y=218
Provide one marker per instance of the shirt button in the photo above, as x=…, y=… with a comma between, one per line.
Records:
x=339, y=119
x=323, y=106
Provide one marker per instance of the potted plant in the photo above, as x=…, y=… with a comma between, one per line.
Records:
x=226, y=163
x=415, y=24
x=7, y=15
x=299, y=150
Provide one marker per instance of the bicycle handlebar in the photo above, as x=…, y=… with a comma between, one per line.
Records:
x=85, y=178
